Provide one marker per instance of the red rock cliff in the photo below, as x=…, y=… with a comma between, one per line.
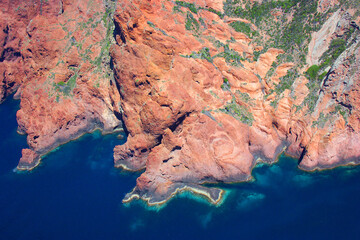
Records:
x=53, y=53
x=202, y=95
x=188, y=126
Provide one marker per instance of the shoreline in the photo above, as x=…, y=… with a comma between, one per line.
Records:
x=330, y=167
x=216, y=202
x=123, y=167
x=40, y=157
x=193, y=190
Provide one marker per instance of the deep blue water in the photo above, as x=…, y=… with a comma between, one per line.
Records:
x=76, y=194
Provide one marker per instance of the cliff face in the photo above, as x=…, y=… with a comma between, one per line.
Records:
x=206, y=89
x=335, y=139
x=175, y=100
x=55, y=54
x=204, y=99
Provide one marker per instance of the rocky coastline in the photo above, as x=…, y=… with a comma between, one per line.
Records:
x=204, y=89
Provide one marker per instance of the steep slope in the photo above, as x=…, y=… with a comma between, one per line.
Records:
x=206, y=89
x=55, y=54
x=205, y=97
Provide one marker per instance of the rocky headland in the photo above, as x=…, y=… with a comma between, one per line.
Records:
x=204, y=89
x=55, y=55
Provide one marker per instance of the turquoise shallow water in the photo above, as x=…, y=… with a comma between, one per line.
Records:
x=76, y=194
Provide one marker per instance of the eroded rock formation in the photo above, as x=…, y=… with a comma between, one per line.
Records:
x=179, y=90
x=204, y=91
x=53, y=54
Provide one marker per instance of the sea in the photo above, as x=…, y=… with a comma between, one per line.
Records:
x=76, y=193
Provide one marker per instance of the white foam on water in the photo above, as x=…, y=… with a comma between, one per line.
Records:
x=145, y=205
x=193, y=196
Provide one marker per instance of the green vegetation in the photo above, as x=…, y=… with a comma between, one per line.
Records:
x=286, y=81
x=290, y=34
x=289, y=24
x=339, y=110
x=343, y=111
x=313, y=85
x=226, y=85
x=194, y=8
x=214, y=94
x=100, y=64
x=256, y=12
x=312, y=72
x=239, y=112
x=353, y=4
x=67, y=87
x=177, y=9
x=214, y=11
x=191, y=24
x=61, y=84
x=231, y=57
x=337, y=46
x=243, y=27
x=270, y=73
x=244, y=97
x=204, y=53
x=151, y=24
x=190, y=6
x=257, y=54
x=322, y=119
x=290, y=30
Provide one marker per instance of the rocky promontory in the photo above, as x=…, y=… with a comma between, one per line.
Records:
x=204, y=89
x=55, y=55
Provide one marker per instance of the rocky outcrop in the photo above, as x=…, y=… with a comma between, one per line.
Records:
x=203, y=100
x=195, y=116
x=54, y=55
x=336, y=25
x=337, y=142
x=326, y=5
x=174, y=101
